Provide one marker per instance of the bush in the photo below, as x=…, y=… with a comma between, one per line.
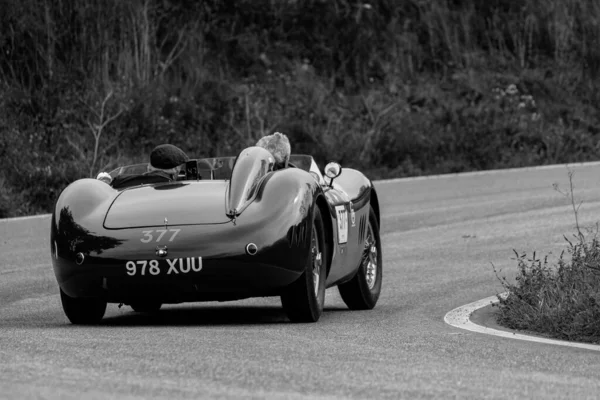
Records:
x=559, y=300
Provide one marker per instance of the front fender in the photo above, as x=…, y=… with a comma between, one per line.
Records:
x=360, y=190
x=356, y=185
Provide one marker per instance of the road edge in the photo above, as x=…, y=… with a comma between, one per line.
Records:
x=487, y=172
x=462, y=318
x=25, y=217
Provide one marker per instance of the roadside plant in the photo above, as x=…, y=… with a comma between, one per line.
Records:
x=562, y=299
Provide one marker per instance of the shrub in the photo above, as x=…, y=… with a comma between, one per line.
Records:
x=559, y=300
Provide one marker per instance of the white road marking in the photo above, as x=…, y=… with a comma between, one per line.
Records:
x=461, y=318
x=25, y=218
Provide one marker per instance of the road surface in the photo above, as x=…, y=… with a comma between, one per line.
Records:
x=441, y=236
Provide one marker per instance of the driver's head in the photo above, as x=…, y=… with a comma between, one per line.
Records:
x=167, y=158
x=279, y=146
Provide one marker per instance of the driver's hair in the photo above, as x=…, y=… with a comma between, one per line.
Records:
x=279, y=146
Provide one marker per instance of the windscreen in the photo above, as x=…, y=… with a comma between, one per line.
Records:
x=135, y=169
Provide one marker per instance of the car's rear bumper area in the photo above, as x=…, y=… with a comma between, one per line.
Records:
x=218, y=280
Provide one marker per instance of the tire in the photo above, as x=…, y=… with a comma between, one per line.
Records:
x=304, y=299
x=363, y=290
x=83, y=311
x=146, y=306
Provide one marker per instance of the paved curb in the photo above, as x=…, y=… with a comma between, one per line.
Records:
x=479, y=317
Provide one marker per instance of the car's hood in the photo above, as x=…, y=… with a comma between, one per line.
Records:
x=180, y=203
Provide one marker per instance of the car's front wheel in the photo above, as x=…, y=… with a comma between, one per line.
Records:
x=304, y=299
x=83, y=311
x=363, y=290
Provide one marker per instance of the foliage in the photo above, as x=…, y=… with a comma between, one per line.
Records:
x=394, y=87
x=559, y=300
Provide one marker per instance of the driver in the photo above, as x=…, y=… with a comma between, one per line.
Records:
x=166, y=160
x=279, y=146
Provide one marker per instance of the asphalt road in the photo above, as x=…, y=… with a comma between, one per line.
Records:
x=440, y=238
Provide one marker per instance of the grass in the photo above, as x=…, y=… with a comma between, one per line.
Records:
x=559, y=300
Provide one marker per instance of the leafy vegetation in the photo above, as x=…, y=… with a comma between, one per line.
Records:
x=394, y=87
x=559, y=300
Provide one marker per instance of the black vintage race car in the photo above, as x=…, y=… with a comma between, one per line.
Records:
x=227, y=228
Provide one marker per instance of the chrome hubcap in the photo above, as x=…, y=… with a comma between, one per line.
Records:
x=370, y=259
x=317, y=261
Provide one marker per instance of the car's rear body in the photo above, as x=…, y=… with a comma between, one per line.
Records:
x=205, y=239
x=185, y=222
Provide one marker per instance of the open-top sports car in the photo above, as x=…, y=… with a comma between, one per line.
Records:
x=226, y=228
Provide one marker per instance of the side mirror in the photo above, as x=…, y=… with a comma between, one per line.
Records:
x=332, y=171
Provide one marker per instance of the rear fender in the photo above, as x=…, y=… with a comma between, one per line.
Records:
x=77, y=217
x=285, y=202
x=292, y=190
x=85, y=199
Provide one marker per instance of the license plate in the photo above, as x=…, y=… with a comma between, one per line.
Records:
x=175, y=266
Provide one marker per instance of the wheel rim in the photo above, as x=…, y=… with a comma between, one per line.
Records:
x=369, y=259
x=317, y=261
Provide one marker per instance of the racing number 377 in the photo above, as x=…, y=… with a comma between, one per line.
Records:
x=156, y=235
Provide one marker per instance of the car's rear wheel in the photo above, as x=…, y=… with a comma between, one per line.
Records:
x=146, y=306
x=304, y=299
x=83, y=311
x=363, y=290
